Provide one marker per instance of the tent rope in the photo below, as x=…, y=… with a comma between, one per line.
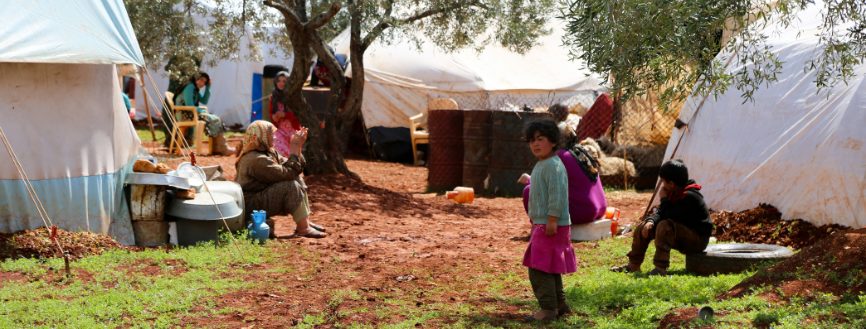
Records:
x=40, y=208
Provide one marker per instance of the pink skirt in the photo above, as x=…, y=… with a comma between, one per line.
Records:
x=550, y=254
x=283, y=137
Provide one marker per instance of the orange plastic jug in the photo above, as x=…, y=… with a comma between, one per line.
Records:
x=461, y=194
x=612, y=214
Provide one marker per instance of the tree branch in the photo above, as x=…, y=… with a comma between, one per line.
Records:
x=435, y=11
x=288, y=14
x=323, y=18
x=388, y=21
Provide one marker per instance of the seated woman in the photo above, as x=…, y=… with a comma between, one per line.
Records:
x=271, y=182
x=586, y=201
x=197, y=93
x=282, y=116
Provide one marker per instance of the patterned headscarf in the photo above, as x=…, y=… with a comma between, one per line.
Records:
x=257, y=136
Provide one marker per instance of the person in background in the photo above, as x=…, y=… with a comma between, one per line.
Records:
x=282, y=116
x=681, y=221
x=273, y=183
x=586, y=199
x=128, y=104
x=549, y=253
x=197, y=93
x=568, y=136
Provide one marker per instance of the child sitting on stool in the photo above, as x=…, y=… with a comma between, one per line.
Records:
x=681, y=221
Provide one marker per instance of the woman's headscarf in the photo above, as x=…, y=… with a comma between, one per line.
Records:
x=277, y=92
x=257, y=138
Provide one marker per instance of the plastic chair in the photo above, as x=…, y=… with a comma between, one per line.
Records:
x=180, y=126
x=417, y=137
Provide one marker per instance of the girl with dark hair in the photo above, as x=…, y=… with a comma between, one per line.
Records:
x=549, y=253
x=282, y=116
x=586, y=200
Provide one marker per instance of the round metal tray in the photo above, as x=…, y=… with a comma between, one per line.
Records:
x=203, y=207
x=157, y=179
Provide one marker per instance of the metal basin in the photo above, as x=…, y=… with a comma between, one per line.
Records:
x=203, y=207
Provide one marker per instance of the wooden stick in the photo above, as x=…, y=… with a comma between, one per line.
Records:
x=146, y=107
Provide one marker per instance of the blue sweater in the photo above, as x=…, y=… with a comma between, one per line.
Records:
x=548, y=194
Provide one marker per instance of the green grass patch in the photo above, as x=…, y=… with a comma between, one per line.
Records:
x=145, y=136
x=151, y=288
x=603, y=299
x=118, y=293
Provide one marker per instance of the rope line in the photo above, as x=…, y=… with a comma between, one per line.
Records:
x=40, y=208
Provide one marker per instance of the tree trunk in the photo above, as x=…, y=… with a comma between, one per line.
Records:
x=352, y=109
x=333, y=148
x=314, y=149
x=616, y=123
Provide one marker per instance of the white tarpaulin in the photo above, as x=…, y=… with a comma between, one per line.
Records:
x=401, y=78
x=795, y=147
x=63, y=31
x=62, y=112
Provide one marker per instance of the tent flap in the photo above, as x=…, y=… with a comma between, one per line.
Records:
x=62, y=31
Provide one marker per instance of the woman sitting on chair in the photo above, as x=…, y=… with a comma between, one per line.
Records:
x=272, y=182
x=197, y=93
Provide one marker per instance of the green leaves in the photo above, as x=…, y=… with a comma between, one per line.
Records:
x=651, y=45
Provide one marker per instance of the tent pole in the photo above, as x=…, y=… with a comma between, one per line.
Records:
x=146, y=106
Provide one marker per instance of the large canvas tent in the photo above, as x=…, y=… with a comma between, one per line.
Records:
x=796, y=147
x=62, y=111
x=402, y=76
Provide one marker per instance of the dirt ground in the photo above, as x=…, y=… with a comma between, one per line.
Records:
x=764, y=224
x=387, y=236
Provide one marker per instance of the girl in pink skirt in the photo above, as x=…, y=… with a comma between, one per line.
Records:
x=549, y=253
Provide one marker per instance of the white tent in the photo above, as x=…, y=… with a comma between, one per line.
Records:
x=401, y=77
x=795, y=147
x=62, y=111
x=232, y=83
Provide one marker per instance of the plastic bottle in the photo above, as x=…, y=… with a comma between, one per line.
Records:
x=461, y=194
x=612, y=214
x=259, y=229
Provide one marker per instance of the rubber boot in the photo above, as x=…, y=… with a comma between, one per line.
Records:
x=221, y=147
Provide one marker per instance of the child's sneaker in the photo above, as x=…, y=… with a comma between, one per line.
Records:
x=657, y=271
x=627, y=268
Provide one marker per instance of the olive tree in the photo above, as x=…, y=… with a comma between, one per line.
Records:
x=644, y=44
x=167, y=32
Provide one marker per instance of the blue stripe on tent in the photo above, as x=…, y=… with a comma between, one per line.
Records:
x=88, y=203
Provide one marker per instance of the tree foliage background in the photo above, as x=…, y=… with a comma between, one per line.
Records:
x=671, y=45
